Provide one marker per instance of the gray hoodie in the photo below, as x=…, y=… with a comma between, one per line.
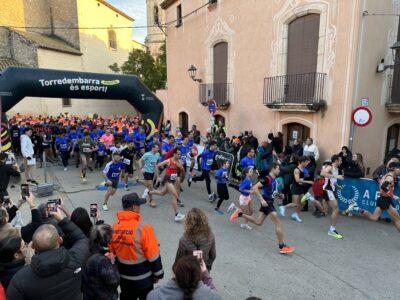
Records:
x=171, y=291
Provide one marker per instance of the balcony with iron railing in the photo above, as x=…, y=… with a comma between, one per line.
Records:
x=298, y=92
x=219, y=92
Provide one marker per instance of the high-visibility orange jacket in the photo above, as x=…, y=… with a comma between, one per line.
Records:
x=136, y=248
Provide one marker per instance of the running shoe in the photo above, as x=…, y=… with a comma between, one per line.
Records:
x=235, y=215
x=105, y=207
x=136, y=179
x=296, y=218
x=212, y=197
x=145, y=193
x=65, y=169
x=282, y=210
x=335, y=234
x=81, y=175
x=84, y=180
x=218, y=212
x=180, y=203
x=126, y=187
x=179, y=217
x=304, y=198
x=189, y=181
x=153, y=204
x=353, y=207
x=231, y=207
x=286, y=249
x=90, y=169
x=246, y=226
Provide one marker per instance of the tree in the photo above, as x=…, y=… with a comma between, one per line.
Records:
x=152, y=72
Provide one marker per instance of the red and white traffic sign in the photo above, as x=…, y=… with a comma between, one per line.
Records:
x=361, y=116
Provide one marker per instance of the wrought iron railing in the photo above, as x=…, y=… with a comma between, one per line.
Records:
x=219, y=92
x=305, y=88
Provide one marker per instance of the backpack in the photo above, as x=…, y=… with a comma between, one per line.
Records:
x=318, y=187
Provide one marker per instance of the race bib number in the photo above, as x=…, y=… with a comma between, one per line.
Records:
x=225, y=174
x=183, y=158
x=209, y=162
x=63, y=146
x=127, y=161
x=86, y=150
x=15, y=134
x=100, y=153
x=174, y=176
x=114, y=175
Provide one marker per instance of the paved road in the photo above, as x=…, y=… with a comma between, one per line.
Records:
x=364, y=265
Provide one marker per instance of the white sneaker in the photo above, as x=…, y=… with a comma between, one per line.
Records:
x=65, y=169
x=282, y=210
x=126, y=187
x=353, y=207
x=212, y=197
x=145, y=193
x=231, y=207
x=105, y=207
x=179, y=217
x=296, y=218
x=246, y=226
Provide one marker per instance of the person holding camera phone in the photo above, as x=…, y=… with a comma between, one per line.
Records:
x=27, y=154
x=6, y=171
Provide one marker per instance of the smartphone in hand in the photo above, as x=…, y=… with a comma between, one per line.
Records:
x=93, y=210
x=51, y=206
x=25, y=191
x=198, y=254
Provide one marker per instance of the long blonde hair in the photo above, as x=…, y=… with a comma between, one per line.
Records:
x=196, y=224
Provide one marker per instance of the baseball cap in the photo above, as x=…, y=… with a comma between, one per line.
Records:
x=131, y=199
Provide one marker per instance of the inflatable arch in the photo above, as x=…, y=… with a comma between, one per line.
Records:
x=17, y=83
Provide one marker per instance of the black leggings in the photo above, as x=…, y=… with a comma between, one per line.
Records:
x=64, y=158
x=205, y=175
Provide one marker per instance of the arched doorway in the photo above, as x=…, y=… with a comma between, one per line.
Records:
x=294, y=131
x=184, y=122
x=392, y=138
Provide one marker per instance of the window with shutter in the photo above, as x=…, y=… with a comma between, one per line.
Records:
x=112, y=39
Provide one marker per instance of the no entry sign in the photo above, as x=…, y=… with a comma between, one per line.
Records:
x=362, y=116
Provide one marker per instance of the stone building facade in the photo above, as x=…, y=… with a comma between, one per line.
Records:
x=296, y=66
x=64, y=34
x=155, y=36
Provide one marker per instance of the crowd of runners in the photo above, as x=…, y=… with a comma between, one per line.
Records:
x=282, y=178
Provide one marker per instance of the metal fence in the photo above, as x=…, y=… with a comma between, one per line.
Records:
x=219, y=92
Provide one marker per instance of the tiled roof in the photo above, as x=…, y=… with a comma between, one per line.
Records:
x=49, y=42
x=9, y=62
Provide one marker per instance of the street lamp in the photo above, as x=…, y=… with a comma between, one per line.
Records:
x=192, y=73
x=382, y=67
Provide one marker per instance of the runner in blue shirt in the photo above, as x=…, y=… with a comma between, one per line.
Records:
x=140, y=141
x=111, y=173
x=74, y=137
x=248, y=160
x=222, y=176
x=207, y=160
x=166, y=147
x=267, y=209
x=63, y=144
x=154, y=140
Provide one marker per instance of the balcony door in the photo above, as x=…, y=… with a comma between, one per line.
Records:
x=395, y=96
x=220, y=70
x=302, y=58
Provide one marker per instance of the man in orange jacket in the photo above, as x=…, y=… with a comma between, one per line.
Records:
x=136, y=249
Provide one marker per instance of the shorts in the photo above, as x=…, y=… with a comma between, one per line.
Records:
x=222, y=191
x=268, y=209
x=167, y=178
x=384, y=203
x=114, y=183
x=148, y=176
x=128, y=169
x=244, y=200
x=296, y=189
x=329, y=195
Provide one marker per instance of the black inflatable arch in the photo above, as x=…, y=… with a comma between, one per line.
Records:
x=17, y=83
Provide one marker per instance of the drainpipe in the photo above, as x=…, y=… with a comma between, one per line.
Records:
x=357, y=81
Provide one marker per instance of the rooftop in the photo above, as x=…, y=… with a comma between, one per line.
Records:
x=116, y=9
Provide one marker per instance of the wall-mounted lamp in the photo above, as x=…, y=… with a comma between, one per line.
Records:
x=192, y=73
x=396, y=60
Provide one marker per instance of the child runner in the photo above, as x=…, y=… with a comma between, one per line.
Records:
x=222, y=176
x=386, y=196
x=147, y=164
x=267, y=209
x=245, y=189
x=173, y=170
x=111, y=173
x=100, y=155
x=128, y=155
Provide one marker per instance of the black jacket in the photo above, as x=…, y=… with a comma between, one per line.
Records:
x=353, y=170
x=287, y=172
x=253, y=141
x=8, y=270
x=297, y=149
x=53, y=274
x=6, y=171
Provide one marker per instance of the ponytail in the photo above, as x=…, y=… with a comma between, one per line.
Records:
x=188, y=275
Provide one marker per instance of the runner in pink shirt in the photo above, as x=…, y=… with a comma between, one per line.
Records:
x=107, y=139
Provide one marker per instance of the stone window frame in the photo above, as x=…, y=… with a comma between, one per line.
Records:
x=279, y=60
x=112, y=38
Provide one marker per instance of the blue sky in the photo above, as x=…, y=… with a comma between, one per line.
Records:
x=137, y=10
